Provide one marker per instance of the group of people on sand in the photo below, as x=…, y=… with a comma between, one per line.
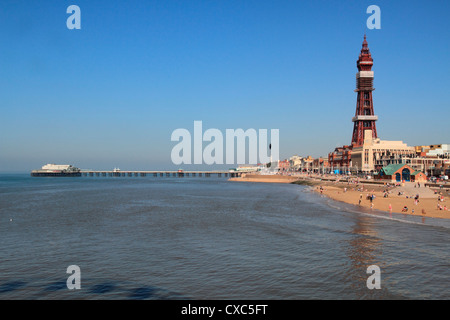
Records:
x=368, y=197
x=405, y=209
x=441, y=199
x=386, y=193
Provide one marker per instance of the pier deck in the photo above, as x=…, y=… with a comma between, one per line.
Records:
x=179, y=174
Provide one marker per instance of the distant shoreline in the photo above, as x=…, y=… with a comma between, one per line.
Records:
x=264, y=178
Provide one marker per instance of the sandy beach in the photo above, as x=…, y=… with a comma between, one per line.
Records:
x=426, y=205
x=389, y=199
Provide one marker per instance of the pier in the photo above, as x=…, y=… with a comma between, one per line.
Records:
x=177, y=174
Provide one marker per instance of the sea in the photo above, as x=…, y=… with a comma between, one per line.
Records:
x=164, y=238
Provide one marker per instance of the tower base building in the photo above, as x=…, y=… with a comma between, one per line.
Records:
x=375, y=153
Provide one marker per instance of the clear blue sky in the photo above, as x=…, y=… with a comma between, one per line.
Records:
x=111, y=93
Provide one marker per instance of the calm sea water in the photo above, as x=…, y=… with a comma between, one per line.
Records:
x=208, y=238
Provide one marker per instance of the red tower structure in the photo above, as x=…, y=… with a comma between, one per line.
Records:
x=364, y=118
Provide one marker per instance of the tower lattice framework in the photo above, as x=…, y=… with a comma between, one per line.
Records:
x=364, y=118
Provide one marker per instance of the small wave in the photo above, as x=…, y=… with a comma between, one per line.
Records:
x=334, y=207
x=390, y=218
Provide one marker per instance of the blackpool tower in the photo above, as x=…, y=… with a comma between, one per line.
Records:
x=364, y=118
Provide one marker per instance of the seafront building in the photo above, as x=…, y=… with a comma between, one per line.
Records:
x=340, y=160
x=320, y=165
x=434, y=150
x=284, y=165
x=304, y=164
x=400, y=173
x=295, y=162
x=373, y=154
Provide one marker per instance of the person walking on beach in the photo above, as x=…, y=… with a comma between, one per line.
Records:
x=390, y=208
